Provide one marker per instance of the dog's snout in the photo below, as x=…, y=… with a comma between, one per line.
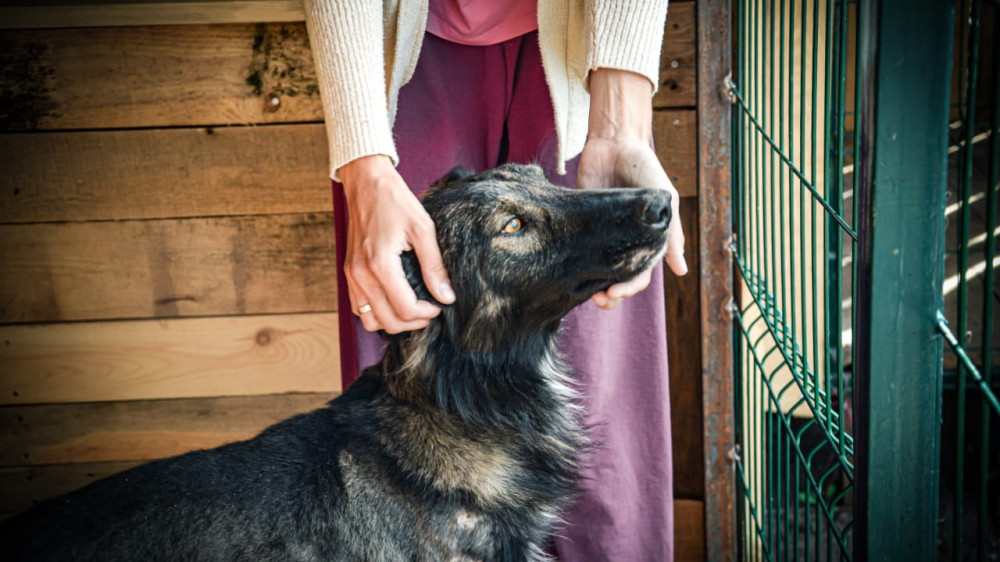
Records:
x=656, y=214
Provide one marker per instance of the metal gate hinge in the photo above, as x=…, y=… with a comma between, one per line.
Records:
x=734, y=454
x=731, y=308
x=728, y=88
x=730, y=245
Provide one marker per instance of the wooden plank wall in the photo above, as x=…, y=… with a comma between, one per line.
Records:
x=167, y=253
x=166, y=246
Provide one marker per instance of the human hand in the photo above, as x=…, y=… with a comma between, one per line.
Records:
x=385, y=220
x=617, y=154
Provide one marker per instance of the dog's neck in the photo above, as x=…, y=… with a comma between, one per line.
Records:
x=519, y=385
x=501, y=427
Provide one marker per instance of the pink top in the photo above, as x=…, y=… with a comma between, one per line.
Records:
x=481, y=22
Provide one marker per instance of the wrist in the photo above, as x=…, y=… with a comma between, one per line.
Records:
x=370, y=170
x=620, y=105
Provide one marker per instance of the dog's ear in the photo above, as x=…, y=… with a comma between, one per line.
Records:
x=456, y=173
x=411, y=267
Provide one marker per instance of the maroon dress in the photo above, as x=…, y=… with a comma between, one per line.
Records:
x=479, y=107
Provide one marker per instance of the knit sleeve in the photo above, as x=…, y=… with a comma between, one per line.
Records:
x=626, y=35
x=347, y=44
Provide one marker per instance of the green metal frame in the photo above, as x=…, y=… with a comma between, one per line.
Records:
x=906, y=59
x=888, y=218
x=795, y=474
x=975, y=175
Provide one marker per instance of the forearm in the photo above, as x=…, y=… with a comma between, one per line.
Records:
x=620, y=105
x=347, y=46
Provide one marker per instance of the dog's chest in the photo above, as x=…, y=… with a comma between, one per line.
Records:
x=465, y=535
x=462, y=534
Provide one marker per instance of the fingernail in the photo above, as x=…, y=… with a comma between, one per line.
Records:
x=446, y=291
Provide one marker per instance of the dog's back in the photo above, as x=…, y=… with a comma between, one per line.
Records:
x=461, y=444
x=262, y=499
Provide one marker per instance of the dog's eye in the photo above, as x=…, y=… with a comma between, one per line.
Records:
x=513, y=226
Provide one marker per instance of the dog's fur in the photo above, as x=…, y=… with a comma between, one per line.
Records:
x=460, y=445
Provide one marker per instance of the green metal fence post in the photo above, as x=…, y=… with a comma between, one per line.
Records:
x=906, y=58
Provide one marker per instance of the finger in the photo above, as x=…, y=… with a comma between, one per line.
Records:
x=365, y=288
x=359, y=298
x=675, y=243
x=383, y=317
x=618, y=292
x=424, y=242
x=392, y=285
x=602, y=300
x=630, y=287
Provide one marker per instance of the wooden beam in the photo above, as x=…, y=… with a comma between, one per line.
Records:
x=167, y=268
x=676, y=142
x=237, y=74
x=164, y=173
x=155, y=359
x=143, y=430
x=19, y=14
x=716, y=272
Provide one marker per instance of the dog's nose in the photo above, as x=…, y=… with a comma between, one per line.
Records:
x=656, y=215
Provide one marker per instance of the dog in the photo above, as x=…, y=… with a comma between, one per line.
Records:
x=462, y=444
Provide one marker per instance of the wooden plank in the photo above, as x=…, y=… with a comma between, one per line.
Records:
x=675, y=136
x=678, y=59
x=186, y=358
x=144, y=430
x=156, y=76
x=689, y=531
x=167, y=268
x=23, y=487
x=20, y=14
x=164, y=173
x=114, y=77
x=683, y=296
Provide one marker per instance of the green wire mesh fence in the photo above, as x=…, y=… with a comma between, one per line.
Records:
x=793, y=93
x=970, y=489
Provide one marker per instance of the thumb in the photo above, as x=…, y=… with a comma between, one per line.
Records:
x=675, y=248
x=432, y=268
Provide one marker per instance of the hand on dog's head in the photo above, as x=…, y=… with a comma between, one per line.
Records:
x=564, y=246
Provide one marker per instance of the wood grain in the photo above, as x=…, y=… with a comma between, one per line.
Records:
x=689, y=531
x=113, y=77
x=160, y=173
x=678, y=58
x=185, y=358
x=683, y=303
x=675, y=136
x=167, y=268
x=176, y=75
x=25, y=486
x=22, y=14
x=143, y=430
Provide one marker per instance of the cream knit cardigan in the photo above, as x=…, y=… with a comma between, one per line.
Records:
x=365, y=51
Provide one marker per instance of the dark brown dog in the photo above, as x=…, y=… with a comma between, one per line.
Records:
x=460, y=445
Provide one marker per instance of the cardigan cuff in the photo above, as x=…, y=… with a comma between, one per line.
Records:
x=346, y=40
x=627, y=36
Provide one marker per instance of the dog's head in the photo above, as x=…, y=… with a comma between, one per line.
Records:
x=522, y=252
